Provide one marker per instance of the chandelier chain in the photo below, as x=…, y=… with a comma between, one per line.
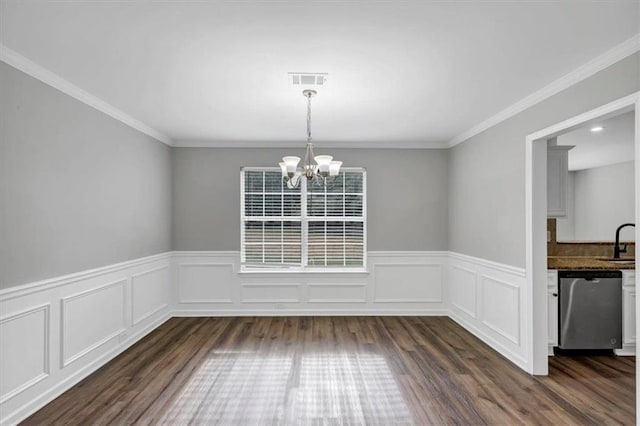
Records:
x=309, y=117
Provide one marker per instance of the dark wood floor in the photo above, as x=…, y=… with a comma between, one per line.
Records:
x=338, y=370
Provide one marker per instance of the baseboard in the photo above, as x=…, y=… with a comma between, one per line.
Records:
x=308, y=312
x=629, y=350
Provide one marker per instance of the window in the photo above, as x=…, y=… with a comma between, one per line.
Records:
x=312, y=227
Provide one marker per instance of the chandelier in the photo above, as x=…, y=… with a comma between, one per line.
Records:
x=316, y=168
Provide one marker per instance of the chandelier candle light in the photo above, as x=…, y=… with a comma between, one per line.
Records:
x=317, y=172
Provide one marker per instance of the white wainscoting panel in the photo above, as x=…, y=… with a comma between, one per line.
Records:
x=91, y=318
x=55, y=332
x=337, y=293
x=270, y=293
x=398, y=283
x=487, y=298
x=150, y=293
x=24, y=350
x=205, y=282
x=407, y=283
x=463, y=291
x=501, y=307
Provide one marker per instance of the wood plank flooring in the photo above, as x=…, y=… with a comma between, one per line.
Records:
x=338, y=371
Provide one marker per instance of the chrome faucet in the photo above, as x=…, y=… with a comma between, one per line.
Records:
x=616, y=249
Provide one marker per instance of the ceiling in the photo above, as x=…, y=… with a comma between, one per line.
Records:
x=612, y=145
x=398, y=72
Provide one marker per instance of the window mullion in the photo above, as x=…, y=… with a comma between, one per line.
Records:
x=281, y=222
x=364, y=221
x=264, y=200
x=304, y=224
x=243, y=256
x=326, y=227
x=344, y=243
x=344, y=223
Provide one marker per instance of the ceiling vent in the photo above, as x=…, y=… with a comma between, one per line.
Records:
x=308, y=79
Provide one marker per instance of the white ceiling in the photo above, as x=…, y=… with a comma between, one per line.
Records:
x=399, y=72
x=612, y=145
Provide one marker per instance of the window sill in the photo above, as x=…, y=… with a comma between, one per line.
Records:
x=307, y=271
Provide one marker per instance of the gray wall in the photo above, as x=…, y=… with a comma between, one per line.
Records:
x=604, y=199
x=78, y=189
x=566, y=226
x=487, y=171
x=406, y=198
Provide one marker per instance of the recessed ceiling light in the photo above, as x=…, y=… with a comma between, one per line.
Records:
x=597, y=128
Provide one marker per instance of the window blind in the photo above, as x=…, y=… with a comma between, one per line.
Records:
x=313, y=226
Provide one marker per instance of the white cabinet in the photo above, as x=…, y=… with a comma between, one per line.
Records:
x=557, y=180
x=552, y=309
x=628, y=313
x=629, y=316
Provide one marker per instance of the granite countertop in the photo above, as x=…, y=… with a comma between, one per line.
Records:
x=603, y=243
x=588, y=262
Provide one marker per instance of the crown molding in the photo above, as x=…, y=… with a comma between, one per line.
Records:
x=583, y=72
x=610, y=57
x=46, y=76
x=197, y=143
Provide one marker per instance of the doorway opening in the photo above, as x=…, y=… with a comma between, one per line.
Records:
x=536, y=219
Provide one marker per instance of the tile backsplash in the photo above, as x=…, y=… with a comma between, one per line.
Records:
x=582, y=248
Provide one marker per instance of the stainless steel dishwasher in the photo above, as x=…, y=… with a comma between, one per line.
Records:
x=590, y=304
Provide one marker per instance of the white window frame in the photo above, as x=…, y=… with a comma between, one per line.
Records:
x=304, y=221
